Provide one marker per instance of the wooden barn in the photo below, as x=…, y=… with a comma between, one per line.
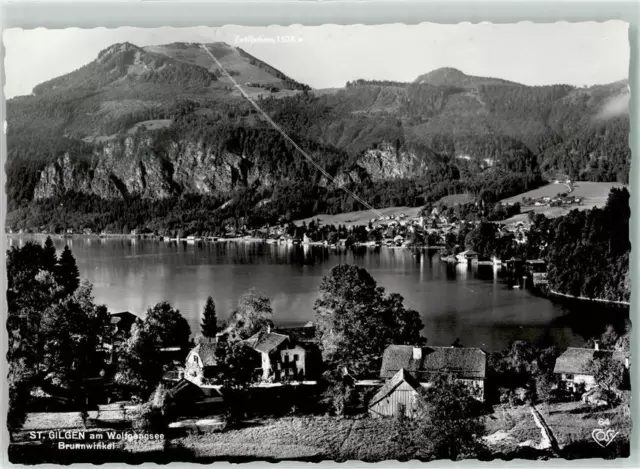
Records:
x=399, y=395
x=189, y=399
x=425, y=364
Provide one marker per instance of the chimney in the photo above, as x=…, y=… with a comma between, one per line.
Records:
x=268, y=328
x=596, y=345
x=626, y=363
x=417, y=353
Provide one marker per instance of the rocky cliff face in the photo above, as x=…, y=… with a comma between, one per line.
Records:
x=143, y=167
x=55, y=178
x=131, y=167
x=344, y=178
x=385, y=162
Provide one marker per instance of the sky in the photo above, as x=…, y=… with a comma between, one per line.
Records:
x=330, y=55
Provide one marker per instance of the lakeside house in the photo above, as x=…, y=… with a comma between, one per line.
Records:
x=467, y=256
x=281, y=357
x=536, y=266
x=201, y=361
x=575, y=366
x=536, y=272
x=424, y=364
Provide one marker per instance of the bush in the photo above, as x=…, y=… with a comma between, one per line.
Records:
x=237, y=404
x=84, y=416
x=546, y=386
x=514, y=397
x=161, y=400
x=158, y=397
x=509, y=422
x=150, y=419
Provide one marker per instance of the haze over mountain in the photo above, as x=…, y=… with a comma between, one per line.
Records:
x=161, y=122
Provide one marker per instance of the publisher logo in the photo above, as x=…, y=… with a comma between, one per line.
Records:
x=604, y=436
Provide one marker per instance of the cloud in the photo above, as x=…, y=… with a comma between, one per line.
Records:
x=615, y=106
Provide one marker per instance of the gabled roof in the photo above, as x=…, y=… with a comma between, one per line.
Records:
x=400, y=377
x=266, y=342
x=462, y=362
x=576, y=360
x=186, y=391
x=468, y=252
x=124, y=317
x=207, y=353
x=306, y=333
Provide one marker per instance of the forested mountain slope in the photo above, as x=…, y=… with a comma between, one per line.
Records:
x=162, y=122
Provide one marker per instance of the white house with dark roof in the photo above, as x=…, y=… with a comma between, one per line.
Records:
x=575, y=365
x=201, y=362
x=281, y=358
x=425, y=364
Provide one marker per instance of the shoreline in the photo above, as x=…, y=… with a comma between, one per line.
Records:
x=553, y=293
x=205, y=240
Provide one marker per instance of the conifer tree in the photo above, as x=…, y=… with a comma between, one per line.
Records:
x=209, y=324
x=49, y=256
x=68, y=275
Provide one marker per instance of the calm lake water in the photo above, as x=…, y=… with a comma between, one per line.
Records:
x=470, y=303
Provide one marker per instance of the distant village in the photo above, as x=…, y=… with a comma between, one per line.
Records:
x=426, y=230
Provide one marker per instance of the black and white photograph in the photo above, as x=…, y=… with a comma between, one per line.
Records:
x=318, y=243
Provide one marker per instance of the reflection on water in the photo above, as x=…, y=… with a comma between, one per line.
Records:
x=455, y=301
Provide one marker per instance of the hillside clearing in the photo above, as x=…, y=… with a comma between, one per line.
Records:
x=361, y=217
x=455, y=199
x=593, y=194
x=550, y=190
x=155, y=124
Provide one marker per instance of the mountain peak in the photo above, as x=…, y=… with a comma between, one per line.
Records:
x=125, y=64
x=442, y=76
x=118, y=48
x=449, y=76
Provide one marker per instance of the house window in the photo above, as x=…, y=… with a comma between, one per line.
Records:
x=568, y=376
x=286, y=358
x=195, y=358
x=295, y=357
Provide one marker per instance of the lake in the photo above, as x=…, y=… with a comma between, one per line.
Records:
x=473, y=304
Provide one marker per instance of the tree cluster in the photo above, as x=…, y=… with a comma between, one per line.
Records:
x=356, y=320
x=588, y=251
x=56, y=331
x=522, y=366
